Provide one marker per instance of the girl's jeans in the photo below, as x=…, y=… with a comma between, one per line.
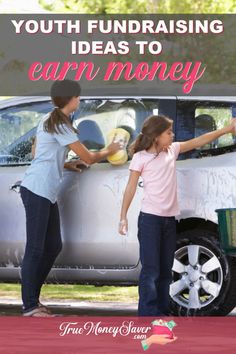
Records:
x=157, y=239
x=43, y=244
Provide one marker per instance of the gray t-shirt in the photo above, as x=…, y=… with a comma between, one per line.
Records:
x=44, y=175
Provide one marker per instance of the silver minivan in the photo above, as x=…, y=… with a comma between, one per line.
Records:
x=204, y=278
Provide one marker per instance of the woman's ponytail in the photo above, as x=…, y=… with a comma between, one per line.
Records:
x=61, y=93
x=56, y=120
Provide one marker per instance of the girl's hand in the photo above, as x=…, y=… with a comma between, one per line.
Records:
x=76, y=165
x=123, y=226
x=232, y=126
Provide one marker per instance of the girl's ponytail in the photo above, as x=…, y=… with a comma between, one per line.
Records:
x=142, y=142
x=153, y=127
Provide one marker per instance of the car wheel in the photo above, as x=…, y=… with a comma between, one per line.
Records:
x=204, y=278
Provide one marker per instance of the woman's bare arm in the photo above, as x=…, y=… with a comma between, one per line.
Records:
x=91, y=157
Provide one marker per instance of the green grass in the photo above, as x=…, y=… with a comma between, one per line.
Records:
x=75, y=292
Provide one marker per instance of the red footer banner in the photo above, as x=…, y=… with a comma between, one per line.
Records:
x=117, y=335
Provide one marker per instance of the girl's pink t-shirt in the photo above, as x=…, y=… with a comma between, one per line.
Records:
x=159, y=179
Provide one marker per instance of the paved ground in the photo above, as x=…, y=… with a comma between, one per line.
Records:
x=79, y=308
x=13, y=308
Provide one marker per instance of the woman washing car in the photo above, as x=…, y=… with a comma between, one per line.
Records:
x=40, y=187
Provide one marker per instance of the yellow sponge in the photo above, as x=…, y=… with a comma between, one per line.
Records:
x=122, y=136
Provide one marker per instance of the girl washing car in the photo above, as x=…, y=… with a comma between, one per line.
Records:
x=40, y=187
x=154, y=159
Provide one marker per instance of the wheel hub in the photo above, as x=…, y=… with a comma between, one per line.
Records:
x=198, y=277
x=194, y=274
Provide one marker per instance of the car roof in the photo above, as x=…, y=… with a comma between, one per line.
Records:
x=18, y=100
x=207, y=98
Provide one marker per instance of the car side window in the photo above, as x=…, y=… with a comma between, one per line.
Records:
x=96, y=118
x=195, y=118
x=17, y=128
x=210, y=118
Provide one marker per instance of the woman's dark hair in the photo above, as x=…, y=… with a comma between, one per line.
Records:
x=153, y=127
x=61, y=94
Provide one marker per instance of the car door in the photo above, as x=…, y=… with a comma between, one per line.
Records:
x=90, y=201
x=203, y=276
x=18, y=121
x=215, y=174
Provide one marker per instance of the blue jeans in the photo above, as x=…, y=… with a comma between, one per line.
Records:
x=43, y=244
x=157, y=240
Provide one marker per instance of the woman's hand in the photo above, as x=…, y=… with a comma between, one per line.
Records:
x=33, y=146
x=92, y=157
x=76, y=165
x=123, y=226
x=114, y=147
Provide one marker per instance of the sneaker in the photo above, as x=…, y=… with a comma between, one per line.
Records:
x=44, y=308
x=37, y=312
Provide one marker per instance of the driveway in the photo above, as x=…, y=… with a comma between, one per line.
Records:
x=79, y=308
x=90, y=308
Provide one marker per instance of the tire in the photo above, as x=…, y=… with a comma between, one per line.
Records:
x=201, y=287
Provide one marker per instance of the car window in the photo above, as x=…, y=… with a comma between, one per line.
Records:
x=17, y=128
x=195, y=118
x=210, y=118
x=96, y=118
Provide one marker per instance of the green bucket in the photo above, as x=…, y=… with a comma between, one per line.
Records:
x=227, y=229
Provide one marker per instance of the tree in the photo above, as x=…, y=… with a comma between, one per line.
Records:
x=140, y=6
